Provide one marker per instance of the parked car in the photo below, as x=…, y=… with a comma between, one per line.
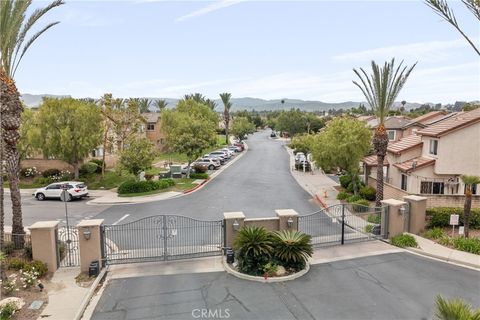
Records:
x=218, y=158
x=240, y=145
x=208, y=162
x=235, y=148
x=299, y=165
x=75, y=189
x=220, y=153
x=300, y=156
x=227, y=150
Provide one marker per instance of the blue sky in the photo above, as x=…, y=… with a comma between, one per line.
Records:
x=268, y=49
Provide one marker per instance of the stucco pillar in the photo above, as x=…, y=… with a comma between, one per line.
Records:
x=231, y=219
x=418, y=208
x=284, y=215
x=90, y=242
x=392, y=219
x=44, y=243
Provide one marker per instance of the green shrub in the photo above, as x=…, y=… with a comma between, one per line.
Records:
x=374, y=218
x=404, y=240
x=345, y=181
x=7, y=311
x=455, y=309
x=368, y=192
x=440, y=217
x=27, y=250
x=43, y=180
x=8, y=247
x=199, y=175
x=88, y=168
x=369, y=228
x=162, y=184
x=199, y=168
x=132, y=186
x=435, y=233
x=16, y=264
x=254, y=247
x=170, y=181
x=446, y=241
x=50, y=172
x=471, y=245
x=292, y=248
x=361, y=205
x=342, y=195
x=353, y=198
x=37, y=266
x=99, y=163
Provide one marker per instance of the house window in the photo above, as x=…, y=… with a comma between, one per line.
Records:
x=429, y=187
x=391, y=135
x=433, y=146
x=151, y=126
x=404, y=182
x=473, y=188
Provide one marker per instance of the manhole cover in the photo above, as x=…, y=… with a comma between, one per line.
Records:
x=36, y=304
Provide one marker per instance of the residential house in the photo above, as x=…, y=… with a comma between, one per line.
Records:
x=431, y=160
x=153, y=130
x=397, y=126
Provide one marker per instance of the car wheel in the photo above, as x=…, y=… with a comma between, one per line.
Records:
x=70, y=197
x=40, y=196
x=211, y=167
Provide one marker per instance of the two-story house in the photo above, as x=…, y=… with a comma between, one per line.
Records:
x=153, y=130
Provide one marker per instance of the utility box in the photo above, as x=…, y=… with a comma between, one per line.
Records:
x=94, y=269
x=176, y=171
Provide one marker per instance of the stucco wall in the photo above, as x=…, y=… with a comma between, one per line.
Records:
x=389, y=191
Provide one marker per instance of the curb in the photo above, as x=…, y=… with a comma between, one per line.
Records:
x=196, y=187
x=431, y=255
x=317, y=197
x=89, y=295
x=243, y=276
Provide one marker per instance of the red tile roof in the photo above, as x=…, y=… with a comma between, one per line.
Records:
x=420, y=163
x=406, y=143
x=371, y=161
x=426, y=118
x=453, y=123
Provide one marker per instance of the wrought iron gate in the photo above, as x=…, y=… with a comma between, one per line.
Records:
x=343, y=223
x=162, y=237
x=68, y=250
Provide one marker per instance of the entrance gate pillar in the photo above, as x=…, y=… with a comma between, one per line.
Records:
x=44, y=236
x=393, y=219
x=234, y=221
x=90, y=242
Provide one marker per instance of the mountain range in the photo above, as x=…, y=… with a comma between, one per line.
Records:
x=33, y=100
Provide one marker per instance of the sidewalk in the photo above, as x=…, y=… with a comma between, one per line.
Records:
x=430, y=248
x=64, y=295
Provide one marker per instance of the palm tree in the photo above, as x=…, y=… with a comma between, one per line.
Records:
x=380, y=89
x=469, y=181
x=160, y=104
x=441, y=8
x=14, y=29
x=144, y=105
x=226, y=111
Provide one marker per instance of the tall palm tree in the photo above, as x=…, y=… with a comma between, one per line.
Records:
x=226, y=111
x=469, y=181
x=144, y=105
x=14, y=28
x=381, y=89
x=160, y=104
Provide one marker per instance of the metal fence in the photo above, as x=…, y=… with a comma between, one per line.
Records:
x=17, y=246
x=162, y=237
x=342, y=223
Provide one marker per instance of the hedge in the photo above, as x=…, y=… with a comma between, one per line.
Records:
x=440, y=217
x=132, y=186
x=199, y=175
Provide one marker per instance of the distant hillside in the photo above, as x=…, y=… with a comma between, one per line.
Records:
x=33, y=100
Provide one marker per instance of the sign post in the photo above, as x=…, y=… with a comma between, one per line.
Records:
x=454, y=222
x=64, y=197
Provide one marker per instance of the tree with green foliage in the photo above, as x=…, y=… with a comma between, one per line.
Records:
x=190, y=129
x=342, y=144
x=303, y=143
x=469, y=181
x=70, y=129
x=226, y=112
x=242, y=127
x=381, y=88
x=16, y=25
x=200, y=98
x=442, y=8
x=160, y=104
x=144, y=105
x=291, y=122
x=29, y=134
x=138, y=154
x=126, y=120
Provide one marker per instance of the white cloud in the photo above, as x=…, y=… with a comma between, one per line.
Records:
x=432, y=51
x=210, y=8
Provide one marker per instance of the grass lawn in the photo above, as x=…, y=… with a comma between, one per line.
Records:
x=180, y=185
x=181, y=158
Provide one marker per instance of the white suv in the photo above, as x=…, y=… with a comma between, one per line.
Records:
x=211, y=164
x=75, y=189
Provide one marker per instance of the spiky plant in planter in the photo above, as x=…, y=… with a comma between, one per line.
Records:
x=292, y=249
x=253, y=247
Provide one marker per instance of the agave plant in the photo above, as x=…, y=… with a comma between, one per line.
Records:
x=292, y=248
x=454, y=309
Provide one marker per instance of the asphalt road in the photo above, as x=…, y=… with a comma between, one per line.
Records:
x=256, y=184
x=391, y=286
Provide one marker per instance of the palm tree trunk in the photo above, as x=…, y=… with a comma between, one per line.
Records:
x=105, y=136
x=11, y=117
x=2, y=208
x=466, y=210
x=380, y=144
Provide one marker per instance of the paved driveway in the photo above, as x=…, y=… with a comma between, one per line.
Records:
x=391, y=286
x=256, y=184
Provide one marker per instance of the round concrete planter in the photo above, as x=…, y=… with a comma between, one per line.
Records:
x=229, y=269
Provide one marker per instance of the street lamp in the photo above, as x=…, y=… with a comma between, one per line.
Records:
x=290, y=222
x=236, y=225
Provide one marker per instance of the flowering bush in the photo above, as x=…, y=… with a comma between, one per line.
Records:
x=29, y=278
x=63, y=175
x=10, y=285
x=30, y=172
